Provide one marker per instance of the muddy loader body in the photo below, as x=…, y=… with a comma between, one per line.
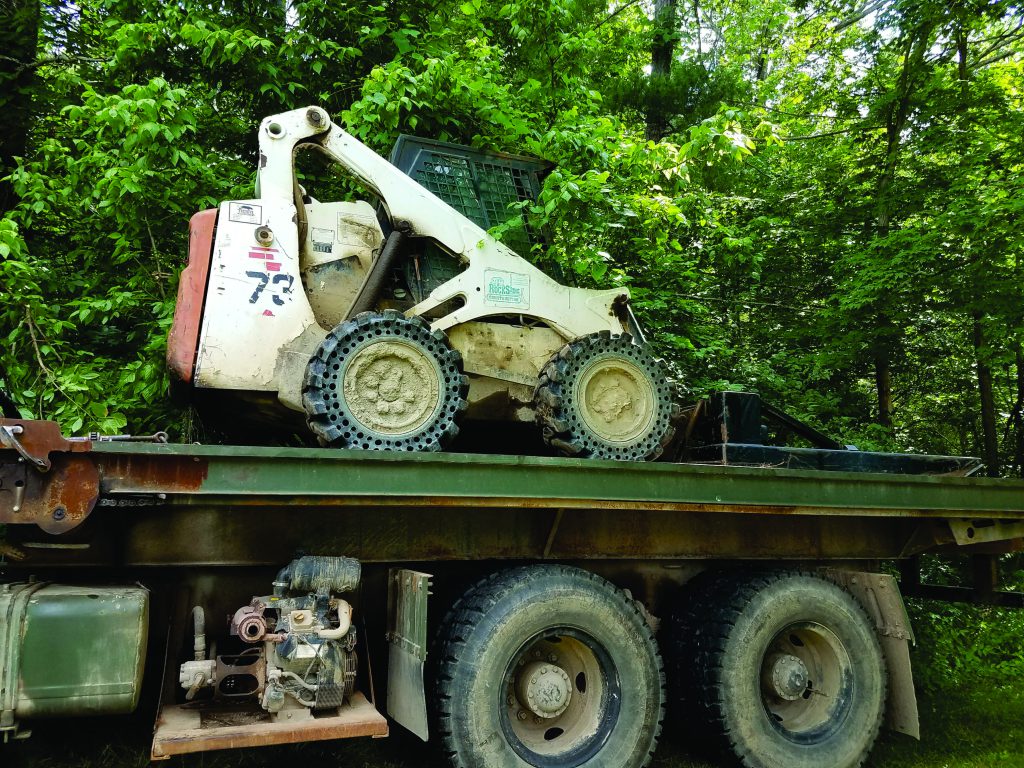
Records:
x=312, y=303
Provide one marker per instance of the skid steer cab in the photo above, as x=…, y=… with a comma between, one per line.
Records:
x=388, y=325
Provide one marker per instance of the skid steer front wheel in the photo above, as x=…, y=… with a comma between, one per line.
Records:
x=603, y=396
x=384, y=382
x=547, y=666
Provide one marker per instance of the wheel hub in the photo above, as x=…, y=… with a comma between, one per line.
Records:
x=392, y=387
x=616, y=399
x=786, y=676
x=544, y=689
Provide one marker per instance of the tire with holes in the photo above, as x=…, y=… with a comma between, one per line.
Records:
x=550, y=666
x=385, y=382
x=603, y=396
x=782, y=670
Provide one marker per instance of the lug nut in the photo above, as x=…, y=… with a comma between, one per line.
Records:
x=521, y=715
x=552, y=658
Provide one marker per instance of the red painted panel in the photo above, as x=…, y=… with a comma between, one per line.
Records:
x=183, y=341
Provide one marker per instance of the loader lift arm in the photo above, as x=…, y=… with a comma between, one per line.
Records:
x=495, y=278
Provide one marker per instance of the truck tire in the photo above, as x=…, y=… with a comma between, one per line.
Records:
x=385, y=382
x=604, y=397
x=782, y=670
x=549, y=666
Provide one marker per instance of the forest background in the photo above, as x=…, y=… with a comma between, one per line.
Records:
x=815, y=200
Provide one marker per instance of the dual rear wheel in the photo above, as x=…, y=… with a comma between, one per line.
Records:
x=552, y=666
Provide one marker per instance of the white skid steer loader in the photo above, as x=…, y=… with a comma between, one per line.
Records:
x=290, y=299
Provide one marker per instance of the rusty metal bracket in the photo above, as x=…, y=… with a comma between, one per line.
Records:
x=56, y=501
x=967, y=531
x=8, y=437
x=64, y=490
x=34, y=441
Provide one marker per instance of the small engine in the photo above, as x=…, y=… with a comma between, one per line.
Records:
x=302, y=644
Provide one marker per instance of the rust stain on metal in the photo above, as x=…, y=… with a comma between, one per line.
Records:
x=515, y=502
x=74, y=487
x=268, y=535
x=181, y=730
x=153, y=474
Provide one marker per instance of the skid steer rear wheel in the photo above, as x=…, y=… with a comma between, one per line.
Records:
x=385, y=382
x=603, y=396
x=548, y=666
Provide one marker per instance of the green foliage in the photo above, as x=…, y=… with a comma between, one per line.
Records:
x=962, y=646
x=833, y=192
x=965, y=646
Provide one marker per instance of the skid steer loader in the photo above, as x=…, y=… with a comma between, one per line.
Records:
x=313, y=306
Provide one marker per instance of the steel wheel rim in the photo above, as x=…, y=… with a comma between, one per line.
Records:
x=806, y=682
x=392, y=387
x=552, y=733
x=616, y=399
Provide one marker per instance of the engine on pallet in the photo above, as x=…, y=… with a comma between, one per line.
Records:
x=301, y=655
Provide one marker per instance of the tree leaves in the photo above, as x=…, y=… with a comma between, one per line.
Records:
x=748, y=235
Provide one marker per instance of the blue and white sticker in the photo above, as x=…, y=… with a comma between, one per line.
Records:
x=506, y=289
x=245, y=213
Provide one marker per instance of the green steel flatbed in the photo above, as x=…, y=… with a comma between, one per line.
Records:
x=383, y=507
x=209, y=525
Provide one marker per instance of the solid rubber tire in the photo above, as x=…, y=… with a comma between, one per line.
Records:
x=327, y=412
x=719, y=639
x=564, y=428
x=489, y=624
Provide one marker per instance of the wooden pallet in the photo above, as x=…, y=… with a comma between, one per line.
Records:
x=181, y=729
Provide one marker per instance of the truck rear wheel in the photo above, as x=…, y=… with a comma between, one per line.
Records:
x=603, y=396
x=548, y=666
x=384, y=382
x=785, y=669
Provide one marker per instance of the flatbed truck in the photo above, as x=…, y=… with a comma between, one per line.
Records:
x=517, y=610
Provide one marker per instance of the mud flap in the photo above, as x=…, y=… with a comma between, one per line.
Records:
x=407, y=648
x=879, y=594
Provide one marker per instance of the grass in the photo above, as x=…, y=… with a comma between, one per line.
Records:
x=960, y=729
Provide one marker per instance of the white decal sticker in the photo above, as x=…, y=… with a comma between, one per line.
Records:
x=506, y=289
x=245, y=213
x=323, y=240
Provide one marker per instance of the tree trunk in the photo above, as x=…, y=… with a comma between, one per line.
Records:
x=1017, y=416
x=989, y=436
x=663, y=50
x=896, y=115
x=883, y=385
x=990, y=443
x=19, y=36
